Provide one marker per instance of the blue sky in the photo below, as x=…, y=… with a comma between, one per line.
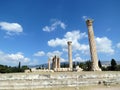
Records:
x=31, y=31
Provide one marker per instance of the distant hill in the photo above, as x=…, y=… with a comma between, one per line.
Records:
x=108, y=62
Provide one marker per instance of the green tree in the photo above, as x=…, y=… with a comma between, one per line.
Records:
x=23, y=68
x=19, y=67
x=74, y=65
x=113, y=64
x=99, y=64
x=118, y=68
x=6, y=69
x=3, y=69
x=64, y=65
x=82, y=65
x=88, y=65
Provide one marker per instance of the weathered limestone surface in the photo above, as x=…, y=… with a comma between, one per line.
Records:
x=92, y=45
x=30, y=81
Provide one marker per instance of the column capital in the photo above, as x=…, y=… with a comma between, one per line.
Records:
x=89, y=22
x=69, y=42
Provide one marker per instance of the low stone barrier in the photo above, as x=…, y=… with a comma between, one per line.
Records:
x=31, y=81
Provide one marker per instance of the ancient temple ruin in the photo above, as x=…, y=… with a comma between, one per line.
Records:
x=55, y=62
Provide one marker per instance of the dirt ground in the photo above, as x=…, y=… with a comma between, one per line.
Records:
x=106, y=88
x=101, y=87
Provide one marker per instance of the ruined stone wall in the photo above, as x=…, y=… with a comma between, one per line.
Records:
x=29, y=81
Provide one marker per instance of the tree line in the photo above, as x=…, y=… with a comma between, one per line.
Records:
x=112, y=67
x=15, y=69
x=86, y=66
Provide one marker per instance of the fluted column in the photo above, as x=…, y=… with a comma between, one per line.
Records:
x=92, y=46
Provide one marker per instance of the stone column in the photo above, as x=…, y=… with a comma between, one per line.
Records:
x=48, y=64
x=70, y=54
x=58, y=62
x=92, y=46
x=55, y=62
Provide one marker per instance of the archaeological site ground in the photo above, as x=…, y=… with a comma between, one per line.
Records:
x=61, y=81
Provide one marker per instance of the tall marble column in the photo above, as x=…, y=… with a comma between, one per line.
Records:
x=92, y=46
x=70, y=54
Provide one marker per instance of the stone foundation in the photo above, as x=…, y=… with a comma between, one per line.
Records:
x=30, y=81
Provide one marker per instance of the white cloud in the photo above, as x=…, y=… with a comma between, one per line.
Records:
x=73, y=36
x=55, y=24
x=85, y=17
x=11, y=28
x=62, y=60
x=13, y=59
x=52, y=54
x=57, y=42
x=118, y=45
x=104, y=45
x=39, y=53
x=79, y=59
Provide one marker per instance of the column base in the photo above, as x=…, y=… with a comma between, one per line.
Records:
x=96, y=69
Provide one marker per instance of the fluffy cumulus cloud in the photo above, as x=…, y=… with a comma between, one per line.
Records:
x=118, y=45
x=73, y=36
x=11, y=28
x=77, y=58
x=52, y=54
x=104, y=45
x=55, y=24
x=39, y=53
x=13, y=59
